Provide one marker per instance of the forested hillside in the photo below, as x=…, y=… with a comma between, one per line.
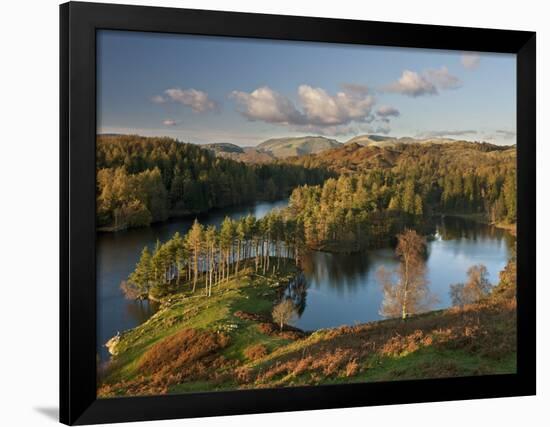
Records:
x=458, y=155
x=382, y=190
x=142, y=180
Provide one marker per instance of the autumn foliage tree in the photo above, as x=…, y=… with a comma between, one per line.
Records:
x=138, y=284
x=141, y=180
x=283, y=312
x=476, y=287
x=211, y=256
x=404, y=183
x=406, y=289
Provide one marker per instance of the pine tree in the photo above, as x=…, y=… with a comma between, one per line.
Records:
x=510, y=192
x=226, y=244
x=240, y=234
x=211, y=241
x=194, y=242
x=141, y=277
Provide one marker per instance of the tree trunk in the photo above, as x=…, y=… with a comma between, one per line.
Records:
x=195, y=272
x=406, y=290
x=238, y=257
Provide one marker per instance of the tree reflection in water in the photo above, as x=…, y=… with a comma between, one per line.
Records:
x=296, y=291
x=343, y=288
x=140, y=310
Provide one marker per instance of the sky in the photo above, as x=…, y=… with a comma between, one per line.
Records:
x=204, y=89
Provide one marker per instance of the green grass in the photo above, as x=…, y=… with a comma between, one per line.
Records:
x=430, y=363
x=248, y=292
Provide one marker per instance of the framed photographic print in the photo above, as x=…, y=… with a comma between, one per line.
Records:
x=273, y=213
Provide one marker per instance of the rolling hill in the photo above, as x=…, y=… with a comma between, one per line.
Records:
x=391, y=154
x=224, y=147
x=241, y=154
x=274, y=149
x=362, y=151
x=388, y=141
x=281, y=148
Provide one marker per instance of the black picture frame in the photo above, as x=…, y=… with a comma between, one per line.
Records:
x=78, y=25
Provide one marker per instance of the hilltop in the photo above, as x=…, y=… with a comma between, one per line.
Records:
x=241, y=154
x=356, y=150
x=281, y=148
x=390, y=141
x=274, y=149
x=389, y=154
x=224, y=147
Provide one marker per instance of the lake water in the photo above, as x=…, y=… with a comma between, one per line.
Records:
x=341, y=288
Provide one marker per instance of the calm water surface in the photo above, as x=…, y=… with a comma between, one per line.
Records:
x=343, y=289
x=340, y=288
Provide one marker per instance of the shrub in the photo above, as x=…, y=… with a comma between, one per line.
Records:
x=243, y=375
x=255, y=352
x=352, y=368
x=181, y=349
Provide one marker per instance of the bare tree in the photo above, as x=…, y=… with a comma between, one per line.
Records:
x=474, y=289
x=406, y=289
x=283, y=312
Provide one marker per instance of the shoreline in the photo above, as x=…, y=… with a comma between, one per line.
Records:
x=179, y=215
x=482, y=219
x=280, y=281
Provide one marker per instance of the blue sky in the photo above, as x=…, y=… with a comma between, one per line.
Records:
x=213, y=89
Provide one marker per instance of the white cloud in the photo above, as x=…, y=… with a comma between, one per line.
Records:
x=442, y=133
x=355, y=89
x=266, y=105
x=158, y=99
x=318, y=111
x=412, y=84
x=386, y=111
x=383, y=128
x=196, y=99
x=470, y=61
x=429, y=82
x=441, y=78
x=170, y=122
x=323, y=109
x=506, y=134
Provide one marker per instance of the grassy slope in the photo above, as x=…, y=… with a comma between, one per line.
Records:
x=478, y=339
x=248, y=292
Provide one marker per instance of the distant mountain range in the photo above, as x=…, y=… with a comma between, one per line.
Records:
x=283, y=148
x=275, y=149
